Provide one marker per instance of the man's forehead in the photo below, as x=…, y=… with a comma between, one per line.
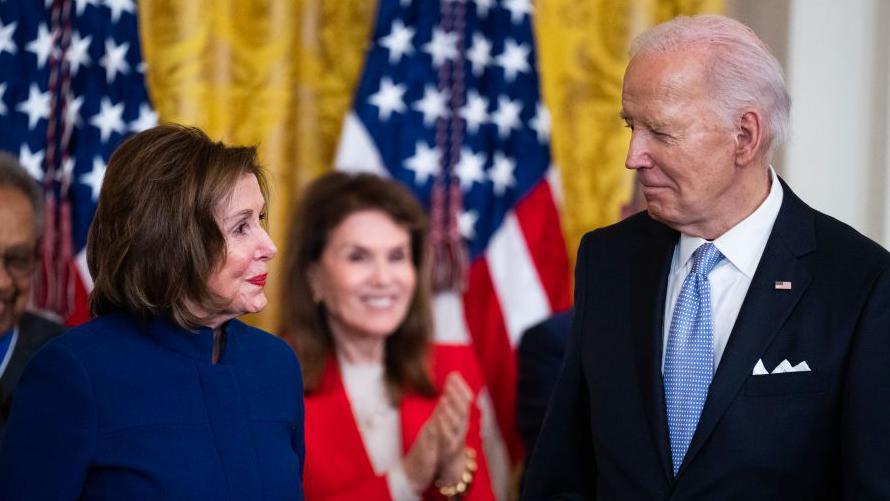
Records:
x=665, y=75
x=16, y=218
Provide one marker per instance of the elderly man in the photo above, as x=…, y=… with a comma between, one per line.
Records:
x=730, y=342
x=21, y=333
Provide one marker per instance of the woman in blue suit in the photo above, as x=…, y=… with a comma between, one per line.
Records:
x=165, y=394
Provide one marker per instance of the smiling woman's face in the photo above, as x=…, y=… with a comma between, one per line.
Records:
x=365, y=276
x=240, y=281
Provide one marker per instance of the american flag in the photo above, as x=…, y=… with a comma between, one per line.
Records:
x=71, y=88
x=449, y=104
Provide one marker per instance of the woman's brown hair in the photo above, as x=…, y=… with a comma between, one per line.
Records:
x=154, y=241
x=325, y=203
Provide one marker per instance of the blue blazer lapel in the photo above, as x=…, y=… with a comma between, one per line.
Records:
x=763, y=311
x=652, y=264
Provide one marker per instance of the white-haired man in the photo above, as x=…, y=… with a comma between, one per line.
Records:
x=21, y=333
x=730, y=342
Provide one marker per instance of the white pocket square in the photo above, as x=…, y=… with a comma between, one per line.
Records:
x=783, y=367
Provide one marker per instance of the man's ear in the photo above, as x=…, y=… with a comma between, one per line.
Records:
x=749, y=137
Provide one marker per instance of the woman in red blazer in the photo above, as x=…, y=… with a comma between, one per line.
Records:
x=388, y=415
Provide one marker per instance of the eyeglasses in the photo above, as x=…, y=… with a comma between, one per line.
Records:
x=20, y=261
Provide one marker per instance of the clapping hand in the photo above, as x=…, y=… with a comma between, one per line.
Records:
x=437, y=451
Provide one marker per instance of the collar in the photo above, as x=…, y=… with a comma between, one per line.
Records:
x=743, y=244
x=196, y=344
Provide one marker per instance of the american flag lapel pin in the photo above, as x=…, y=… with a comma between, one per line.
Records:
x=783, y=286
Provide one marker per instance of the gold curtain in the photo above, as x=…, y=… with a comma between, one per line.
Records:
x=281, y=74
x=582, y=53
x=276, y=73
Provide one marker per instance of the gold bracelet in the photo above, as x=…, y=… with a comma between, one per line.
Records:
x=458, y=490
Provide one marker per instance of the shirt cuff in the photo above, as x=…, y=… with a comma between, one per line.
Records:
x=398, y=484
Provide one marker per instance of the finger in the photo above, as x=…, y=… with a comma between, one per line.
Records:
x=449, y=440
x=457, y=390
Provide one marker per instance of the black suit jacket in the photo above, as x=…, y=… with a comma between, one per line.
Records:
x=539, y=356
x=34, y=332
x=823, y=434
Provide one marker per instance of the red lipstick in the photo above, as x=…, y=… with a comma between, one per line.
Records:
x=258, y=280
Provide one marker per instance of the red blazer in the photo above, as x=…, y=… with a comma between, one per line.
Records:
x=337, y=465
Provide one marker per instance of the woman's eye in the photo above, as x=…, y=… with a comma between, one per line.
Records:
x=397, y=256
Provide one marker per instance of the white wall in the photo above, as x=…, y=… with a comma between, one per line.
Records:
x=837, y=61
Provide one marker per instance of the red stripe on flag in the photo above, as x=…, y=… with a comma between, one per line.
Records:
x=81, y=311
x=539, y=219
x=485, y=322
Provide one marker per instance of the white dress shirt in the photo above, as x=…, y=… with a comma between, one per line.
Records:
x=379, y=424
x=742, y=247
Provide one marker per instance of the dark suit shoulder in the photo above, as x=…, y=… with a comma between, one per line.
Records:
x=101, y=334
x=632, y=232
x=262, y=347
x=836, y=237
x=37, y=330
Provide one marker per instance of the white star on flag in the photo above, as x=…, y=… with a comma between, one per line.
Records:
x=115, y=59
x=66, y=170
x=433, y=105
x=501, y=173
x=2, y=104
x=36, y=106
x=541, y=123
x=482, y=7
x=6, y=42
x=109, y=119
x=518, y=9
x=398, y=41
x=32, y=161
x=79, y=52
x=146, y=120
x=466, y=224
x=424, y=163
x=72, y=113
x=514, y=59
x=118, y=6
x=82, y=5
x=388, y=98
x=41, y=46
x=94, y=178
x=506, y=117
x=475, y=111
x=442, y=47
x=469, y=168
x=479, y=54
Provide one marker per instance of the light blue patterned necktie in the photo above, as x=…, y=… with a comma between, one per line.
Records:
x=689, y=357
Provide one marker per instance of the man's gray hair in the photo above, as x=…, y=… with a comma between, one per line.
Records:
x=741, y=70
x=14, y=176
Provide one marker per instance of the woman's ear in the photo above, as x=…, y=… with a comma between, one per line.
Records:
x=316, y=283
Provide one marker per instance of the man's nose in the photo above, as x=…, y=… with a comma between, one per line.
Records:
x=637, y=152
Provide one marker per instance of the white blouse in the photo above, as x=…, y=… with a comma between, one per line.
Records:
x=378, y=423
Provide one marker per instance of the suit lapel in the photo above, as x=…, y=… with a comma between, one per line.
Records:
x=764, y=311
x=651, y=266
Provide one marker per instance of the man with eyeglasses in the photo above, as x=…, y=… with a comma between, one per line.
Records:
x=21, y=333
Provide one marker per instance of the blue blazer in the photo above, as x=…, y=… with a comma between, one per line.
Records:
x=123, y=409
x=823, y=434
